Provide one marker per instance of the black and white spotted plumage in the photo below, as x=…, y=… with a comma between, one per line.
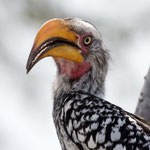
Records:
x=93, y=123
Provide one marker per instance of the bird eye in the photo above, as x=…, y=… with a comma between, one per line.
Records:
x=87, y=40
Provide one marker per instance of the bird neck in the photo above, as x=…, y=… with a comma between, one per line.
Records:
x=92, y=82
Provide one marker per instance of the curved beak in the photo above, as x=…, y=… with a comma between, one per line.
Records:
x=55, y=38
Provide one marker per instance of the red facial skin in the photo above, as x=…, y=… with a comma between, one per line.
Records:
x=71, y=69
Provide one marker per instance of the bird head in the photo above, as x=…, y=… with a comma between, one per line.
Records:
x=75, y=45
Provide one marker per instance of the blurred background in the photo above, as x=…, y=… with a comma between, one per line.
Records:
x=25, y=100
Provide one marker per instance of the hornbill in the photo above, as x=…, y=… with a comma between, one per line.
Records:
x=83, y=119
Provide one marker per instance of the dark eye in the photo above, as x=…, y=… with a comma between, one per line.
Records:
x=87, y=40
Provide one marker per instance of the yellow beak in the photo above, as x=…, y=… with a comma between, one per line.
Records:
x=56, y=39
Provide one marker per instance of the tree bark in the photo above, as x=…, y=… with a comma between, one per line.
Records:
x=143, y=106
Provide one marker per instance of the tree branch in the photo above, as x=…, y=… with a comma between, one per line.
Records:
x=143, y=107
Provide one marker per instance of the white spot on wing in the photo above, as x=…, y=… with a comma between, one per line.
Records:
x=121, y=122
x=131, y=133
x=119, y=147
x=108, y=120
x=87, y=129
x=76, y=124
x=94, y=117
x=81, y=131
x=81, y=137
x=130, y=127
x=74, y=136
x=84, y=110
x=115, y=134
x=69, y=127
x=108, y=144
x=73, y=114
x=91, y=143
x=100, y=136
x=68, y=105
x=94, y=125
x=133, y=140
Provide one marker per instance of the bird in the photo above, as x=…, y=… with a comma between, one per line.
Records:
x=83, y=119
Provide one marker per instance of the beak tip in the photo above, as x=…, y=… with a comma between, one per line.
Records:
x=29, y=64
x=28, y=68
x=27, y=71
